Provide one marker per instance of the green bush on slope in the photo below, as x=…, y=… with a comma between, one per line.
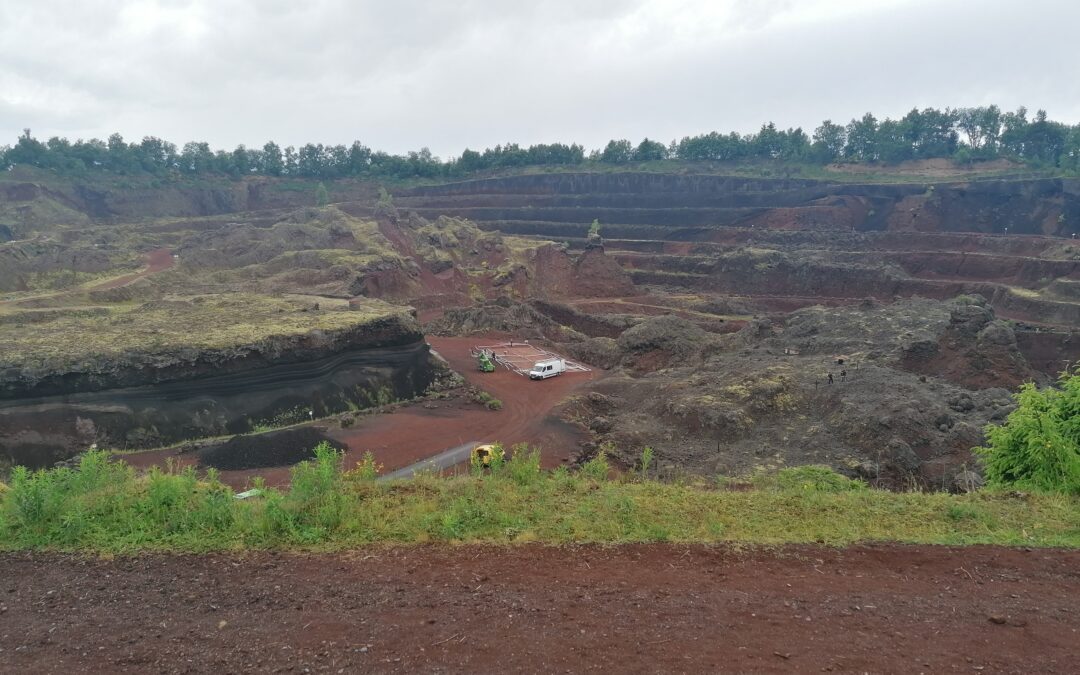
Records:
x=1038, y=447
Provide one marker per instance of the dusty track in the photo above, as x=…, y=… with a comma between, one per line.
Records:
x=660, y=608
x=155, y=261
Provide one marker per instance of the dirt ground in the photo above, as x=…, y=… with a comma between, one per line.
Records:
x=648, y=608
x=157, y=260
x=420, y=430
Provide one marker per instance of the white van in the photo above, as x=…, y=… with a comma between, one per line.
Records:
x=542, y=370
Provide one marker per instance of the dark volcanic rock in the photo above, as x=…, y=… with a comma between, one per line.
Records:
x=39, y=431
x=276, y=448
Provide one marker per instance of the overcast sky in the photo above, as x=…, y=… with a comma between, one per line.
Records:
x=403, y=74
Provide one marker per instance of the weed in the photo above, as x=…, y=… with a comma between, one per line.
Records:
x=523, y=466
x=597, y=468
x=366, y=469
x=646, y=461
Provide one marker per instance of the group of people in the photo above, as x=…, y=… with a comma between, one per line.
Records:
x=843, y=376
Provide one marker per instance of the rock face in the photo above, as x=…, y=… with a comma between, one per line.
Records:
x=634, y=200
x=975, y=350
x=212, y=393
x=729, y=404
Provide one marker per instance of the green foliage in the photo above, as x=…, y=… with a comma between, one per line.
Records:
x=1038, y=446
x=816, y=478
x=524, y=465
x=322, y=197
x=487, y=400
x=978, y=133
x=366, y=469
x=647, y=456
x=594, y=229
x=315, y=501
x=104, y=506
x=597, y=468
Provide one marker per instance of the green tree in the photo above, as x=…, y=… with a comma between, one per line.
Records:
x=649, y=150
x=322, y=197
x=617, y=152
x=273, y=162
x=981, y=126
x=1038, y=447
x=28, y=150
x=862, y=139
x=829, y=140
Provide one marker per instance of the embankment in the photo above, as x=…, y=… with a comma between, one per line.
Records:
x=140, y=407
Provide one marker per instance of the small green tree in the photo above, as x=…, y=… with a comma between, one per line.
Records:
x=594, y=229
x=322, y=197
x=1038, y=447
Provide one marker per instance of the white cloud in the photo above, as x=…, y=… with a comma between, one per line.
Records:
x=479, y=72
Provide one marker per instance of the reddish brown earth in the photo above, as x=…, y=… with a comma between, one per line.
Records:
x=156, y=261
x=647, y=608
x=419, y=430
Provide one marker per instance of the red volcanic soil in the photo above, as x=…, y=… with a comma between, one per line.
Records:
x=416, y=431
x=157, y=260
x=644, y=608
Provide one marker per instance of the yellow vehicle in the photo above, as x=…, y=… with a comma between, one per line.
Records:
x=483, y=455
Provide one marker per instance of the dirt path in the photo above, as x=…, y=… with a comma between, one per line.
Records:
x=154, y=261
x=657, y=608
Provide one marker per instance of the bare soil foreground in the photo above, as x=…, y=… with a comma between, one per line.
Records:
x=647, y=608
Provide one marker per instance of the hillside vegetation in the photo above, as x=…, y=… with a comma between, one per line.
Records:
x=963, y=134
x=59, y=339
x=104, y=506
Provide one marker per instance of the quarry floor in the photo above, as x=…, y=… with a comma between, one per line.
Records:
x=418, y=430
x=640, y=608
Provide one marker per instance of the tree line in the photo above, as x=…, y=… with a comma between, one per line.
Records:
x=963, y=134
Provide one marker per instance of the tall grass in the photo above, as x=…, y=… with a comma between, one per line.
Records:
x=105, y=506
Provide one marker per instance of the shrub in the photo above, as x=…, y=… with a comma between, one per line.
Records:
x=524, y=465
x=487, y=400
x=316, y=499
x=596, y=468
x=1038, y=446
x=366, y=469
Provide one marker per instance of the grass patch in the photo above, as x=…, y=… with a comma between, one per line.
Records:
x=62, y=339
x=106, y=507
